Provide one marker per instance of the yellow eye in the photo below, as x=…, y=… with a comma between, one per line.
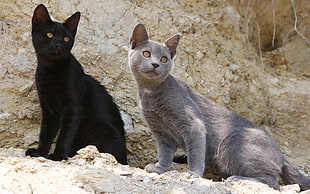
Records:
x=163, y=59
x=50, y=35
x=66, y=39
x=146, y=54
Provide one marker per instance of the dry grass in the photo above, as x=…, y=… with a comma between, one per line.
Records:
x=295, y=25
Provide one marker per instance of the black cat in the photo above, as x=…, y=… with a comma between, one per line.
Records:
x=73, y=103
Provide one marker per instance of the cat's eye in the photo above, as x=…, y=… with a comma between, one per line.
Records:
x=146, y=54
x=163, y=59
x=50, y=35
x=66, y=39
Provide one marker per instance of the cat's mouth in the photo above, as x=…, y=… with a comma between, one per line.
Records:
x=58, y=51
x=150, y=73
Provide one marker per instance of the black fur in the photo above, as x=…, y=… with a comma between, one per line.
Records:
x=73, y=103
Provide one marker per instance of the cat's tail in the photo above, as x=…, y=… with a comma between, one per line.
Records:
x=290, y=175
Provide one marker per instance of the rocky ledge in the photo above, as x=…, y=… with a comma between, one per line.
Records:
x=94, y=172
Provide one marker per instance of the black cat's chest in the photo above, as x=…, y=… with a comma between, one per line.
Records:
x=53, y=81
x=59, y=88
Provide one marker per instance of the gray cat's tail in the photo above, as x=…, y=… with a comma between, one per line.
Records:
x=290, y=175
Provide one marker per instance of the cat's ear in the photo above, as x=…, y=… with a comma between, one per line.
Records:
x=72, y=22
x=172, y=44
x=139, y=35
x=41, y=16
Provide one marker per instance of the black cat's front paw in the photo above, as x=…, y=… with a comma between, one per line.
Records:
x=57, y=157
x=32, y=152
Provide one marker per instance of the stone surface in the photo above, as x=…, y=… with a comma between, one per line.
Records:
x=20, y=174
x=245, y=55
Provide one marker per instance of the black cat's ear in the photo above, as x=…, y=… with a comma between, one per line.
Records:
x=172, y=44
x=41, y=16
x=139, y=35
x=72, y=22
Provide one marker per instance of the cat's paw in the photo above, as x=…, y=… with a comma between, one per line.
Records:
x=32, y=152
x=154, y=168
x=57, y=157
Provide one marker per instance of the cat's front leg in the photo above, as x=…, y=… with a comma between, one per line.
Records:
x=196, y=148
x=166, y=151
x=49, y=126
x=69, y=129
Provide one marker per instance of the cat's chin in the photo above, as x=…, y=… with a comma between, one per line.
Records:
x=155, y=78
x=152, y=75
x=57, y=56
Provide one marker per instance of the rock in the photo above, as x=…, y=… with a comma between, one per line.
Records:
x=234, y=67
x=290, y=188
x=98, y=181
x=305, y=192
x=21, y=174
x=91, y=154
x=88, y=153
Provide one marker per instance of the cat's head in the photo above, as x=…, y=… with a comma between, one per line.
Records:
x=150, y=60
x=51, y=39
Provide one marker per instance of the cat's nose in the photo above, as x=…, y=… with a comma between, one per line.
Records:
x=155, y=65
x=58, y=45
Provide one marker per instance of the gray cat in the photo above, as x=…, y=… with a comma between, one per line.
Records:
x=212, y=136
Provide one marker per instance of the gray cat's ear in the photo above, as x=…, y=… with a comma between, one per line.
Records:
x=172, y=44
x=72, y=22
x=40, y=16
x=139, y=35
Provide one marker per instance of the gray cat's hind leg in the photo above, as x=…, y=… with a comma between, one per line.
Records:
x=251, y=153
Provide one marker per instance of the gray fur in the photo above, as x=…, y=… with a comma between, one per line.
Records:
x=211, y=135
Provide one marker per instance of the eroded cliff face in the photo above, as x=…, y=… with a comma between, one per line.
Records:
x=245, y=55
